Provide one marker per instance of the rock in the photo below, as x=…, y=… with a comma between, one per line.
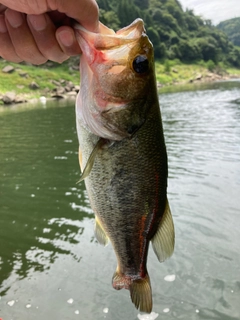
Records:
x=33, y=85
x=68, y=88
x=70, y=85
x=77, y=88
x=60, y=90
x=56, y=83
x=19, y=100
x=63, y=82
x=198, y=77
x=72, y=94
x=174, y=70
x=8, y=69
x=57, y=96
x=23, y=74
x=9, y=97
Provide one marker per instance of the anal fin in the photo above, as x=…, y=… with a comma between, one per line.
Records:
x=164, y=239
x=100, y=234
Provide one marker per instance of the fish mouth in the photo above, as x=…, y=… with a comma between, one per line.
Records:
x=108, y=44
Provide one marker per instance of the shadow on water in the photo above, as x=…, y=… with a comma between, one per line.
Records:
x=39, y=218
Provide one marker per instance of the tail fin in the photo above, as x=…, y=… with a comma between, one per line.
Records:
x=140, y=290
x=141, y=294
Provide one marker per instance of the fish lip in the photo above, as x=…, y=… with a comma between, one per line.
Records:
x=109, y=38
x=125, y=33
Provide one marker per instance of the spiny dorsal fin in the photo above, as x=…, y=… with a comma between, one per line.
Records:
x=164, y=239
x=141, y=294
x=91, y=159
x=100, y=234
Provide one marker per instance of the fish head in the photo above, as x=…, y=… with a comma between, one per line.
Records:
x=117, y=80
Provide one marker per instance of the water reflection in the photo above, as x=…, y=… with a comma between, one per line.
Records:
x=37, y=184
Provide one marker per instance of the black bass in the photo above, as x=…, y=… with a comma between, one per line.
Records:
x=122, y=152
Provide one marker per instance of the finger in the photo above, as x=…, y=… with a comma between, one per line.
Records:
x=7, y=50
x=22, y=39
x=67, y=41
x=83, y=11
x=2, y=8
x=26, y=6
x=43, y=31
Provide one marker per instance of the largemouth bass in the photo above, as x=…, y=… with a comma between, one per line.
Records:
x=122, y=152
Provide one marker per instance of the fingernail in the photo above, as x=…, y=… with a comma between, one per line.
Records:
x=3, y=27
x=14, y=18
x=38, y=22
x=66, y=38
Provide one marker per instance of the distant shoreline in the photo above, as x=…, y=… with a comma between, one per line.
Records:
x=24, y=83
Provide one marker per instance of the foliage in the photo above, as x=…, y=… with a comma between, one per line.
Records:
x=175, y=33
x=211, y=65
x=232, y=29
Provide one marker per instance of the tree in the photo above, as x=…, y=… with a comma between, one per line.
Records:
x=109, y=18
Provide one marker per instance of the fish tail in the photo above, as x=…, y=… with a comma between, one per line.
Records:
x=141, y=294
x=140, y=290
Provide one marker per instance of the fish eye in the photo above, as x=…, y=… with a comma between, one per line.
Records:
x=140, y=64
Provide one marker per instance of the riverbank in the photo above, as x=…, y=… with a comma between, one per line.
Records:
x=20, y=82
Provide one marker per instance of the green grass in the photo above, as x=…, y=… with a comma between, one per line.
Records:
x=42, y=76
x=178, y=72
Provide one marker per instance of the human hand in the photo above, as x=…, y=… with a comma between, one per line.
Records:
x=37, y=31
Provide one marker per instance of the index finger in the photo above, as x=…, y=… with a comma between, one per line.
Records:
x=83, y=11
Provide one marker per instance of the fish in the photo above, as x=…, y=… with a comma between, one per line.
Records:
x=122, y=152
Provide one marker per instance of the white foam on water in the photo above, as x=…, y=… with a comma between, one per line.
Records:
x=170, y=278
x=11, y=303
x=76, y=312
x=60, y=158
x=28, y=306
x=70, y=301
x=105, y=310
x=166, y=310
x=151, y=316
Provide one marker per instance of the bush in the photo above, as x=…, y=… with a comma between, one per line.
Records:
x=210, y=65
x=167, y=67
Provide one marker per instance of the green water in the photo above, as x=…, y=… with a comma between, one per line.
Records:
x=51, y=266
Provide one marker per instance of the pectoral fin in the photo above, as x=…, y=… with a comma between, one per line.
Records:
x=164, y=239
x=91, y=159
x=100, y=234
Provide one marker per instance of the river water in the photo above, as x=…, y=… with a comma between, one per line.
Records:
x=51, y=266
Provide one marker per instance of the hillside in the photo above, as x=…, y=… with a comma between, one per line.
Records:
x=232, y=29
x=175, y=33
